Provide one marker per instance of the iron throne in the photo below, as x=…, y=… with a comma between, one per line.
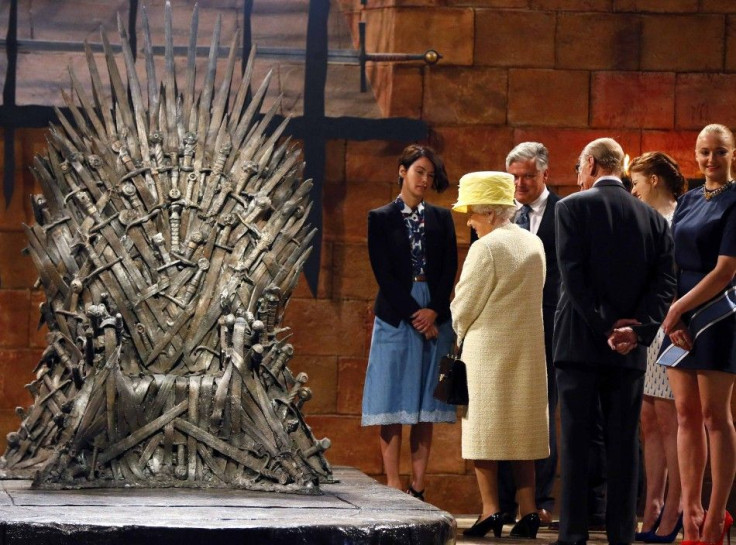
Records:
x=168, y=239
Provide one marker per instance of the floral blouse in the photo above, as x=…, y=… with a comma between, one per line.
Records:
x=414, y=220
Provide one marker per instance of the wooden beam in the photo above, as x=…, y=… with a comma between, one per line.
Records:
x=315, y=76
x=9, y=100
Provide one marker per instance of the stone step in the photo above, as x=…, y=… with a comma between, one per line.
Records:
x=356, y=510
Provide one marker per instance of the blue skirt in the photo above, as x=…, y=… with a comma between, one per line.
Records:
x=402, y=372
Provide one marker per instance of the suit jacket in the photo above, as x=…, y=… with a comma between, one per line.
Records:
x=615, y=255
x=390, y=255
x=546, y=232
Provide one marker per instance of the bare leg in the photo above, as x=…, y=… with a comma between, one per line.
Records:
x=715, y=394
x=656, y=471
x=420, y=441
x=391, y=452
x=691, y=448
x=524, y=479
x=486, y=472
x=667, y=421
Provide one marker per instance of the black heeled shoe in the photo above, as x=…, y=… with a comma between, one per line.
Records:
x=482, y=527
x=416, y=493
x=527, y=526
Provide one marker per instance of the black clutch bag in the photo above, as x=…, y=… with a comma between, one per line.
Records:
x=452, y=385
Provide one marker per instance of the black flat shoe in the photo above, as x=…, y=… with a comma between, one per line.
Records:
x=481, y=527
x=527, y=526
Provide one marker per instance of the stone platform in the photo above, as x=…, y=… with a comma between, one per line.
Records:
x=355, y=510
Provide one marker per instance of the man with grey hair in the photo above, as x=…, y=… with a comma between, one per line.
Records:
x=616, y=262
x=528, y=162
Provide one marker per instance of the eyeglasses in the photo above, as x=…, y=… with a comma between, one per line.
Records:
x=577, y=167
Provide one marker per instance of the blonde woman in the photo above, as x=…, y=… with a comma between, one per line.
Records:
x=702, y=353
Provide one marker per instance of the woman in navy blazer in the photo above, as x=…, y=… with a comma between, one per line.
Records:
x=413, y=254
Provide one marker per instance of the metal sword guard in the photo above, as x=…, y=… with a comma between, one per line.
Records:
x=429, y=57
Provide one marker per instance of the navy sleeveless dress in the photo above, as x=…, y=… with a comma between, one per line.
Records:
x=703, y=230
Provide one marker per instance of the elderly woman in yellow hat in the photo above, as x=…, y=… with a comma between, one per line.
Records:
x=497, y=316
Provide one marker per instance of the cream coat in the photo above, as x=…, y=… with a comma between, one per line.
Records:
x=497, y=312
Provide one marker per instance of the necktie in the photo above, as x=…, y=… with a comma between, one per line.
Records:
x=522, y=217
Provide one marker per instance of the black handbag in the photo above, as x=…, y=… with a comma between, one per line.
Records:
x=452, y=385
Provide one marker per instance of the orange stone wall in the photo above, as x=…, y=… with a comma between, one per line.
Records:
x=650, y=73
x=21, y=341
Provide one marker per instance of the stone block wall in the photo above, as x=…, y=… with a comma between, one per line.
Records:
x=650, y=73
x=625, y=68
x=21, y=341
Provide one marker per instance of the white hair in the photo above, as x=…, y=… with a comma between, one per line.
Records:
x=607, y=153
x=501, y=211
x=529, y=150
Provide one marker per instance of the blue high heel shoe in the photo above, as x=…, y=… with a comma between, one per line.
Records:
x=653, y=537
x=643, y=536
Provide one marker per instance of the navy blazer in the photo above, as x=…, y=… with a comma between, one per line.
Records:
x=390, y=255
x=616, y=260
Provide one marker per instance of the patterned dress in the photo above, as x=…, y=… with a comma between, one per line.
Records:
x=656, y=383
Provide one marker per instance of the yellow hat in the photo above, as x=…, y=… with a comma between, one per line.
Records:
x=487, y=187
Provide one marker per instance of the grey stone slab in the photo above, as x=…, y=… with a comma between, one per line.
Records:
x=21, y=494
x=357, y=510
x=5, y=499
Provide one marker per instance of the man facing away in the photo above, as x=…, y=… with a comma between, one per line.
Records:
x=615, y=256
x=528, y=162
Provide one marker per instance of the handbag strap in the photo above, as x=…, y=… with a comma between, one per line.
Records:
x=459, y=350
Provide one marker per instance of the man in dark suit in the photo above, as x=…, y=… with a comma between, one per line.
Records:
x=615, y=256
x=529, y=164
